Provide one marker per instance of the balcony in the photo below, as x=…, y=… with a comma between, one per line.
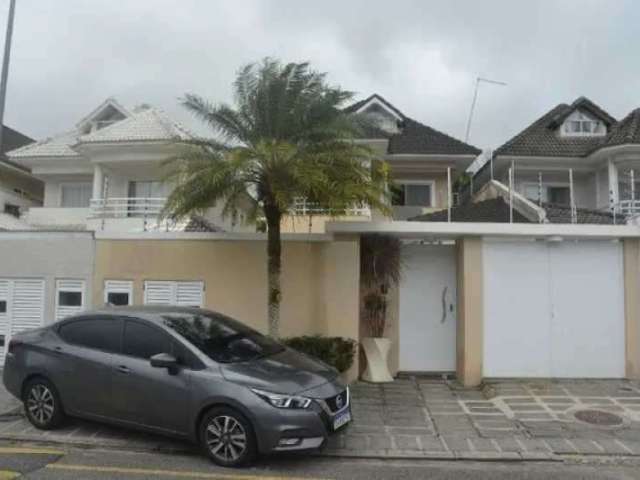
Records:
x=303, y=207
x=628, y=208
x=127, y=207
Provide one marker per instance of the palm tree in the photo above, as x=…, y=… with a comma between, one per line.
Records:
x=286, y=138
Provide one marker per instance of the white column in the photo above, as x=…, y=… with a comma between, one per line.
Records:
x=614, y=196
x=98, y=182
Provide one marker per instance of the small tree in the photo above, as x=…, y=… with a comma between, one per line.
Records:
x=287, y=137
x=380, y=269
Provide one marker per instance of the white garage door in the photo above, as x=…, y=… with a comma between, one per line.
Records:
x=428, y=309
x=553, y=309
x=21, y=308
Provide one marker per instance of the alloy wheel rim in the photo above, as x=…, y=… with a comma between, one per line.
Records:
x=226, y=438
x=40, y=404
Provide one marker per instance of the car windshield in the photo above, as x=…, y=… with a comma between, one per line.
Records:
x=221, y=338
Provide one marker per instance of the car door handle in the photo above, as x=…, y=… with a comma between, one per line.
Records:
x=123, y=369
x=58, y=350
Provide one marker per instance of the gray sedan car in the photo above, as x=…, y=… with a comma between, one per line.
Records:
x=184, y=372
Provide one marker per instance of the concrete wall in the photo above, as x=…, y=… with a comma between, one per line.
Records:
x=319, y=279
x=584, y=184
x=631, y=259
x=49, y=256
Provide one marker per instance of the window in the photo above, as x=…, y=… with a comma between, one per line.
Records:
x=99, y=333
x=412, y=194
x=118, y=292
x=221, y=338
x=581, y=124
x=75, y=195
x=69, y=298
x=556, y=194
x=3, y=306
x=11, y=209
x=144, y=341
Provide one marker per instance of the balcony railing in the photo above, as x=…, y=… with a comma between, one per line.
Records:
x=302, y=207
x=126, y=207
x=628, y=208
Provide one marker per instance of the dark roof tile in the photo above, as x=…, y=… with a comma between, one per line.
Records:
x=494, y=210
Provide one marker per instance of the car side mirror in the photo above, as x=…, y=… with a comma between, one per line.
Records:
x=163, y=360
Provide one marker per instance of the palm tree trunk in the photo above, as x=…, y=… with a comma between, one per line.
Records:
x=274, y=254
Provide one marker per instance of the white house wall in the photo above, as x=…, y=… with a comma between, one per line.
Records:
x=48, y=256
x=584, y=186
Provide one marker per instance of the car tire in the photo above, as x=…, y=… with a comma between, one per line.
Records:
x=227, y=437
x=42, y=404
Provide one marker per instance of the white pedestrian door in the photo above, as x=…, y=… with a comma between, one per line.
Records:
x=428, y=309
x=21, y=308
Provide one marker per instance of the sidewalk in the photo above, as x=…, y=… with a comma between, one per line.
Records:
x=432, y=418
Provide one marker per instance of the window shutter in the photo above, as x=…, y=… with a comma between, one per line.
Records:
x=27, y=305
x=158, y=292
x=183, y=294
x=63, y=311
x=189, y=294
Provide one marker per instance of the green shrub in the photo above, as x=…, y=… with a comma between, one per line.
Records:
x=335, y=351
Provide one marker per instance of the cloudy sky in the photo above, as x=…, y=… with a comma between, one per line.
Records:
x=423, y=56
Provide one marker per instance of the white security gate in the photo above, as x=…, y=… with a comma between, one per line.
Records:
x=553, y=309
x=428, y=309
x=21, y=308
x=183, y=294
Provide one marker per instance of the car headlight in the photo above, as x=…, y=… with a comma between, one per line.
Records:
x=279, y=400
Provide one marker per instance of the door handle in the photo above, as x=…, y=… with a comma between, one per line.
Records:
x=123, y=369
x=58, y=350
x=444, y=305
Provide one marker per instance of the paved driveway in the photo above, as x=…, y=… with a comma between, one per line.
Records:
x=434, y=418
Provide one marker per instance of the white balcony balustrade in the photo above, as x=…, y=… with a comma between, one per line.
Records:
x=628, y=208
x=127, y=207
x=303, y=207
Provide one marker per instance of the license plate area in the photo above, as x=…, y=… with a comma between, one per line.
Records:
x=341, y=419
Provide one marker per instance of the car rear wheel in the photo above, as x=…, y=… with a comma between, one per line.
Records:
x=227, y=437
x=42, y=404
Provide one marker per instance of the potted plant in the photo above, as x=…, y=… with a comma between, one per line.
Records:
x=380, y=269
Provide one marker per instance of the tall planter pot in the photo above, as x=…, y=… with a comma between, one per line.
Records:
x=376, y=350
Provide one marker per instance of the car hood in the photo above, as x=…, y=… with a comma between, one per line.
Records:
x=287, y=372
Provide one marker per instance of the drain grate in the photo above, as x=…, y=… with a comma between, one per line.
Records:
x=598, y=417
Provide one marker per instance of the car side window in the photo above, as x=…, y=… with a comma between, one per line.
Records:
x=144, y=341
x=99, y=333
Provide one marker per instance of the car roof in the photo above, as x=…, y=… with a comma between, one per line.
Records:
x=148, y=312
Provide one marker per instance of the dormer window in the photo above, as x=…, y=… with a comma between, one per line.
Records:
x=580, y=124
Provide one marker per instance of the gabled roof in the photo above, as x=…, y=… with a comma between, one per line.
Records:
x=108, y=103
x=148, y=124
x=627, y=131
x=541, y=139
x=56, y=146
x=414, y=137
x=145, y=124
x=12, y=139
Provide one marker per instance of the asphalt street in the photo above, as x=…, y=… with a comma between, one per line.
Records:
x=37, y=462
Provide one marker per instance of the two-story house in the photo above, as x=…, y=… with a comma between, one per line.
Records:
x=574, y=157
x=106, y=173
x=19, y=190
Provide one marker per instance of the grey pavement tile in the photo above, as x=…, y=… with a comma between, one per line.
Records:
x=486, y=410
x=379, y=442
x=406, y=442
x=409, y=430
x=456, y=442
x=475, y=403
x=615, y=447
x=430, y=443
x=355, y=442
x=482, y=445
x=596, y=400
x=533, y=416
x=554, y=400
x=527, y=407
x=509, y=444
x=536, y=445
x=587, y=447
x=561, y=446
x=629, y=401
x=516, y=400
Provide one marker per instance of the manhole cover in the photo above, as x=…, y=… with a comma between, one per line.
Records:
x=598, y=417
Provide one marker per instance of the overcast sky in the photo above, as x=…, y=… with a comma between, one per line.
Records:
x=423, y=56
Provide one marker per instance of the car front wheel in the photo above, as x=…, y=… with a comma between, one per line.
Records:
x=42, y=404
x=227, y=437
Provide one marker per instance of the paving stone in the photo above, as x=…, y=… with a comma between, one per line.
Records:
x=430, y=443
x=512, y=400
x=615, y=447
x=486, y=410
x=406, y=442
x=474, y=404
x=355, y=442
x=379, y=442
x=533, y=416
x=587, y=447
x=563, y=400
x=485, y=423
x=482, y=445
x=456, y=443
x=409, y=431
x=527, y=407
x=536, y=445
x=596, y=401
x=509, y=444
x=626, y=401
x=561, y=446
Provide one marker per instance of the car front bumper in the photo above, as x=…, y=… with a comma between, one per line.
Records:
x=297, y=430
